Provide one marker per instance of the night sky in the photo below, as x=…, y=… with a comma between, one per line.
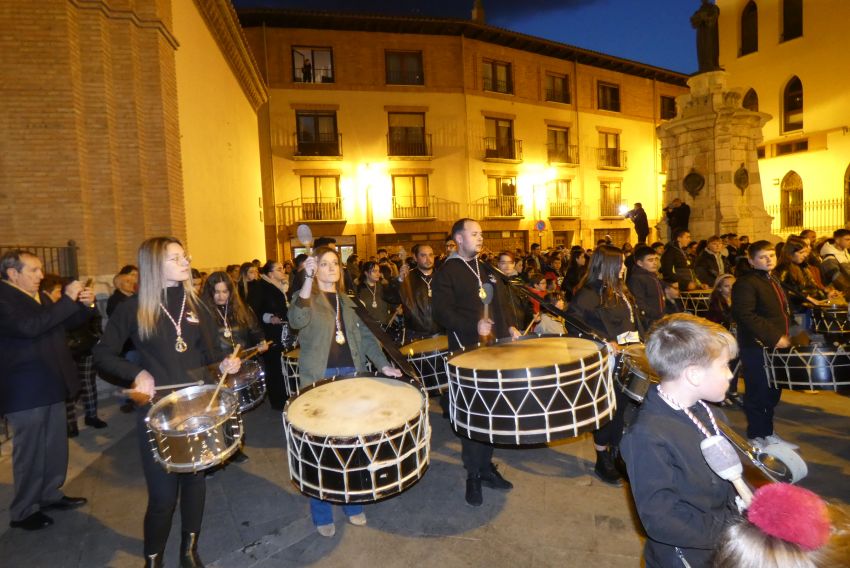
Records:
x=657, y=32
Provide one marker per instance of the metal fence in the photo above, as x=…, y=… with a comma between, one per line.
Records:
x=55, y=260
x=823, y=216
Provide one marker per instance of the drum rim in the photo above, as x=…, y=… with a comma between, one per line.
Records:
x=184, y=467
x=509, y=340
x=367, y=436
x=232, y=403
x=433, y=352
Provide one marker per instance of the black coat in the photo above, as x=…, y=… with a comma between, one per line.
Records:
x=606, y=321
x=760, y=309
x=158, y=355
x=417, y=304
x=706, y=268
x=678, y=217
x=37, y=368
x=675, y=265
x=649, y=294
x=266, y=298
x=638, y=217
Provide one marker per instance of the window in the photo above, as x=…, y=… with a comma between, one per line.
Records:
x=497, y=77
x=561, y=203
x=749, y=29
x=410, y=197
x=320, y=198
x=404, y=68
x=557, y=88
x=558, y=145
x=760, y=152
x=499, y=139
x=668, y=107
x=407, y=134
x=791, y=205
x=792, y=19
x=502, y=198
x=312, y=65
x=792, y=147
x=608, y=96
x=609, y=155
x=792, y=105
x=317, y=135
x=609, y=194
x=751, y=100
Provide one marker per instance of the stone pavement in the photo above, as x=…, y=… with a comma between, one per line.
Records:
x=558, y=515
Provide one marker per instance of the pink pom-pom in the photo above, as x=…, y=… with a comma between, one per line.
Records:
x=794, y=514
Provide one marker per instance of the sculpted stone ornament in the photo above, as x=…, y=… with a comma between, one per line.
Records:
x=742, y=179
x=704, y=21
x=693, y=183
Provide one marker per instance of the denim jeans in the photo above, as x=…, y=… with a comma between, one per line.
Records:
x=335, y=371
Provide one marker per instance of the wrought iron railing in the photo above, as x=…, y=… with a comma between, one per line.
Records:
x=318, y=75
x=609, y=207
x=565, y=208
x=562, y=154
x=318, y=209
x=611, y=158
x=557, y=95
x=430, y=207
x=397, y=146
x=412, y=77
x=497, y=206
x=61, y=261
x=502, y=148
x=497, y=85
x=823, y=216
x=319, y=144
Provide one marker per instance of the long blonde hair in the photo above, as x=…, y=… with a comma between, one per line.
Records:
x=152, y=254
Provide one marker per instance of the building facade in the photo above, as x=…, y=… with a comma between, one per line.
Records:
x=789, y=60
x=384, y=130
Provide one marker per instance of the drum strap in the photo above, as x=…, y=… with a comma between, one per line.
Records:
x=783, y=301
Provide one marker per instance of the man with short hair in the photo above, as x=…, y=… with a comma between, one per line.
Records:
x=674, y=262
x=835, y=266
x=678, y=216
x=645, y=286
x=36, y=377
x=535, y=259
x=459, y=295
x=416, y=294
x=638, y=217
x=711, y=263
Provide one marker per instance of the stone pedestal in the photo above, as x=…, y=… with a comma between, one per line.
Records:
x=714, y=137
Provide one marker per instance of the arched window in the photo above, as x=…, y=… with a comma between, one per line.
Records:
x=792, y=19
x=791, y=205
x=751, y=100
x=792, y=105
x=750, y=28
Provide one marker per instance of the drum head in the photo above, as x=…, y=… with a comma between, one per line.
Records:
x=355, y=406
x=634, y=358
x=428, y=345
x=184, y=412
x=248, y=373
x=293, y=354
x=532, y=352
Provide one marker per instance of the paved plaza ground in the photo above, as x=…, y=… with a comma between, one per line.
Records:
x=557, y=515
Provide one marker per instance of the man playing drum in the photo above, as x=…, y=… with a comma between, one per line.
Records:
x=416, y=294
x=459, y=294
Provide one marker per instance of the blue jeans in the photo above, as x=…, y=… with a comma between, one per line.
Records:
x=322, y=511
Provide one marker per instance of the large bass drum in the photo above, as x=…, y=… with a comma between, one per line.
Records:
x=185, y=437
x=357, y=438
x=531, y=390
x=813, y=367
x=428, y=357
x=833, y=322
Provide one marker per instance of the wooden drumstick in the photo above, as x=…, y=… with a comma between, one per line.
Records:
x=221, y=380
x=531, y=323
x=142, y=399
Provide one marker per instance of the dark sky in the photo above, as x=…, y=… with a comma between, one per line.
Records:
x=651, y=31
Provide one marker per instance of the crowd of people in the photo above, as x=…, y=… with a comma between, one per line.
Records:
x=166, y=320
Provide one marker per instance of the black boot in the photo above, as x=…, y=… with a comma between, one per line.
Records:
x=494, y=480
x=189, y=551
x=153, y=560
x=473, y=491
x=605, y=468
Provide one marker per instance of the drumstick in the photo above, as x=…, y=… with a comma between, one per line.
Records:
x=142, y=399
x=221, y=380
x=531, y=323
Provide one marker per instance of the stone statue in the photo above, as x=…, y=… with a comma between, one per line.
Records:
x=704, y=21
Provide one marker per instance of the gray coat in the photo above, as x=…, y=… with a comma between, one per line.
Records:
x=315, y=320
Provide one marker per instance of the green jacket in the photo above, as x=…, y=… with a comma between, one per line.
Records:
x=315, y=320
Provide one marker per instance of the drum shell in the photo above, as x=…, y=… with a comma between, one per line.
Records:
x=531, y=405
x=189, y=452
x=359, y=469
x=813, y=367
x=634, y=377
x=249, y=385
x=430, y=363
x=832, y=322
x=696, y=302
x=291, y=376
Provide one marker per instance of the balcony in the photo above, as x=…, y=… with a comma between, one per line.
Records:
x=406, y=77
x=611, y=159
x=554, y=95
x=420, y=148
x=502, y=149
x=429, y=208
x=497, y=206
x=565, y=209
x=561, y=154
x=498, y=85
x=318, y=209
x=317, y=75
x=322, y=144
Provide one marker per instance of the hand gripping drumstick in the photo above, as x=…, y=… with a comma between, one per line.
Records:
x=221, y=380
x=723, y=460
x=488, y=297
x=143, y=399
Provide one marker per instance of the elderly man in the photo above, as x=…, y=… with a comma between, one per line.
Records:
x=36, y=377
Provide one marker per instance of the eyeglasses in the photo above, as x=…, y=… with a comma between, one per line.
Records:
x=180, y=259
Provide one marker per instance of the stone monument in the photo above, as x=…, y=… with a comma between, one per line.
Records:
x=710, y=148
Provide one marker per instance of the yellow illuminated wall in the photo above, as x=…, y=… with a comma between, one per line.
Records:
x=219, y=147
x=819, y=59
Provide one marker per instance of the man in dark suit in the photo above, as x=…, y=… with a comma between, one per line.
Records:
x=37, y=375
x=638, y=217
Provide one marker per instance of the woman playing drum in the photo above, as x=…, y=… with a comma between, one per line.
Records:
x=604, y=303
x=333, y=342
x=237, y=324
x=796, y=280
x=175, y=336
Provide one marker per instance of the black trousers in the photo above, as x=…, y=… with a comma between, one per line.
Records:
x=274, y=378
x=476, y=456
x=760, y=398
x=164, y=490
x=612, y=432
